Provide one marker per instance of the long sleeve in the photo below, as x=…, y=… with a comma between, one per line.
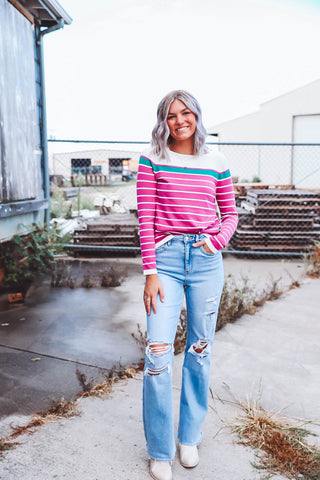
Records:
x=146, y=199
x=228, y=212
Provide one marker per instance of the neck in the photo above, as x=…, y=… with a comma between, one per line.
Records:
x=186, y=147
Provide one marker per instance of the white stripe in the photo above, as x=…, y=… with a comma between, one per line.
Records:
x=167, y=225
x=185, y=174
x=186, y=206
x=183, y=213
x=179, y=198
x=206, y=182
x=187, y=192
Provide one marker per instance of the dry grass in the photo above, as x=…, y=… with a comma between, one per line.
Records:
x=58, y=410
x=105, y=387
x=5, y=445
x=141, y=339
x=281, y=444
x=181, y=333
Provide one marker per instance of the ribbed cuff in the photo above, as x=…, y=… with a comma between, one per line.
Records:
x=210, y=245
x=150, y=272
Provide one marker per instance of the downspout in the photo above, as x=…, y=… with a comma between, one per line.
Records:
x=44, y=133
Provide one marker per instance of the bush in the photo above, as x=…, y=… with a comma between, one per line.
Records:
x=29, y=256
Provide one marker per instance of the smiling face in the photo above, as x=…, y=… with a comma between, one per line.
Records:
x=182, y=123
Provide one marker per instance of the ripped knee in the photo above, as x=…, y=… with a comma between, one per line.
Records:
x=159, y=349
x=158, y=358
x=200, y=350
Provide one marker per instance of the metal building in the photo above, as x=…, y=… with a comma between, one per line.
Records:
x=24, y=173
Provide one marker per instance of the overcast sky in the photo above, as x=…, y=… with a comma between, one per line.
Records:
x=108, y=70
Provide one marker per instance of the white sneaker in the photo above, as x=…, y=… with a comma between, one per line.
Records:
x=160, y=469
x=189, y=456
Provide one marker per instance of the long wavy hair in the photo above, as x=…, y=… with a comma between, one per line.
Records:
x=161, y=137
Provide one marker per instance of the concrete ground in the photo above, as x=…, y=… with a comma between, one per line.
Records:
x=88, y=329
x=277, y=348
x=57, y=331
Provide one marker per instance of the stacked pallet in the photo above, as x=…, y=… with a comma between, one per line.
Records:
x=241, y=189
x=278, y=220
x=118, y=230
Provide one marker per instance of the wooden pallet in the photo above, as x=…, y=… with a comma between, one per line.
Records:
x=285, y=197
x=111, y=230
x=277, y=220
x=270, y=209
x=292, y=238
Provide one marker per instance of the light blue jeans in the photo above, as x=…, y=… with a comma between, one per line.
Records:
x=190, y=271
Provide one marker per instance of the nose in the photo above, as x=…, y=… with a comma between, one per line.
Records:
x=179, y=119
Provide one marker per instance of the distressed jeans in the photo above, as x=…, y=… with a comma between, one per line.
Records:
x=190, y=271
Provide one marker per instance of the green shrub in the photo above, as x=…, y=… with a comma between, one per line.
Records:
x=29, y=256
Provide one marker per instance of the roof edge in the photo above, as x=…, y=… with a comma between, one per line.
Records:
x=57, y=10
x=291, y=91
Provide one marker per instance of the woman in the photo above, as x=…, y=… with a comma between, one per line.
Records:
x=180, y=183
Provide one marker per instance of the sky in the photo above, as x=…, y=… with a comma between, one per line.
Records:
x=108, y=70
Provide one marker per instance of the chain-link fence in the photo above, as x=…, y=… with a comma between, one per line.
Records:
x=277, y=189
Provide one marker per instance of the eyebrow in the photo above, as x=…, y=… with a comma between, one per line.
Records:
x=183, y=110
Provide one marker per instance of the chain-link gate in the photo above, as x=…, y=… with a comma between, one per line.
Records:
x=277, y=190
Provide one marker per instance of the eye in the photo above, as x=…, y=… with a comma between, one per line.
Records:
x=186, y=113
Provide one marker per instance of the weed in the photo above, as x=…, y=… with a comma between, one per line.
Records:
x=69, y=274
x=235, y=301
x=59, y=207
x=140, y=339
x=87, y=282
x=104, y=388
x=112, y=277
x=62, y=275
x=312, y=261
x=4, y=445
x=181, y=334
x=85, y=384
x=86, y=203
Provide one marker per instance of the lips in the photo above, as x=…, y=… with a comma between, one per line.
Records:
x=181, y=129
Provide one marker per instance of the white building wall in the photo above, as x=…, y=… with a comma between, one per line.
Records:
x=273, y=123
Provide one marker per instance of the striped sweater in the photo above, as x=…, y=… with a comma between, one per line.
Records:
x=179, y=196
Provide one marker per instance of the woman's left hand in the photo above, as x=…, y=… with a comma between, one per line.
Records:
x=205, y=246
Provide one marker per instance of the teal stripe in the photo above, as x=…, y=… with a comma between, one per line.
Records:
x=192, y=171
x=145, y=161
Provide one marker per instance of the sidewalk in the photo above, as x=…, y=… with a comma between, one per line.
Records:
x=277, y=347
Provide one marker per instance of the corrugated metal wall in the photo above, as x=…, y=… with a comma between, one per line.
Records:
x=20, y=177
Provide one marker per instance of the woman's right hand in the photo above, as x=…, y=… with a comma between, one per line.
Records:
x=152, y=288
